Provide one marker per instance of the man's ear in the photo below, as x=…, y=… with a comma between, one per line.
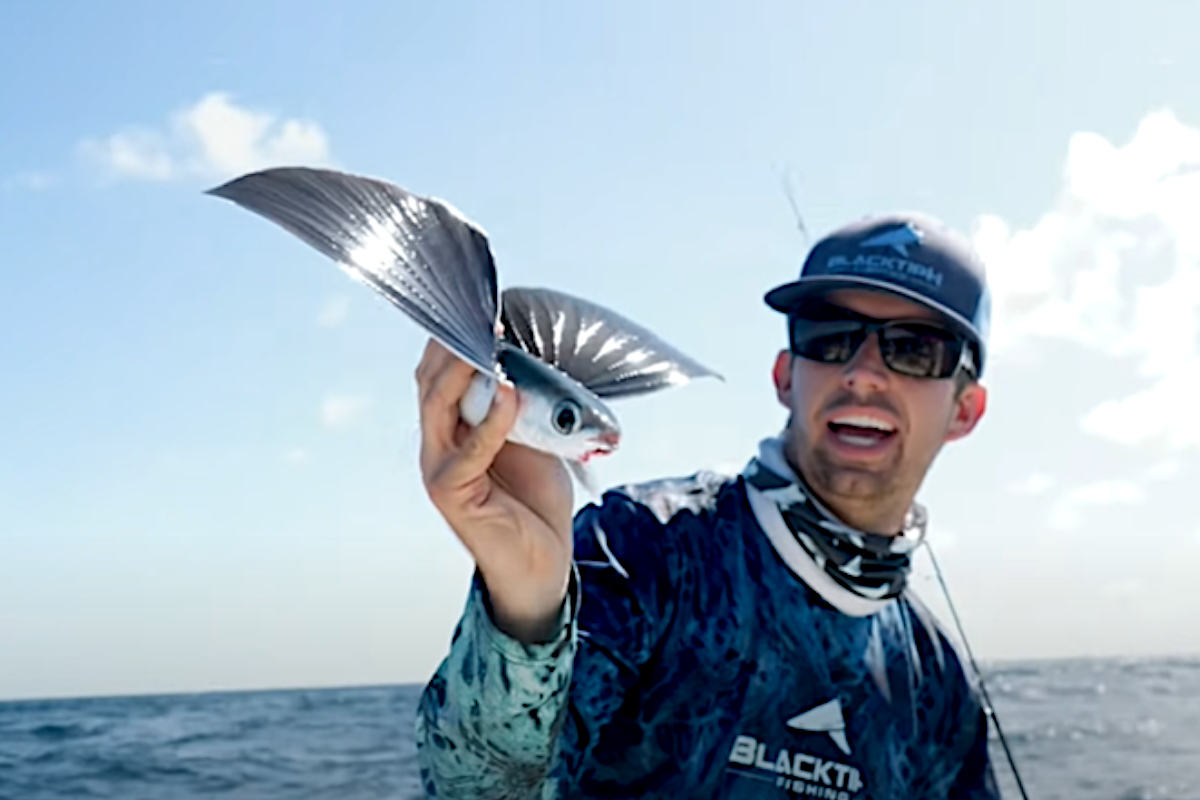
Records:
x=969, y=408
x=782, y=375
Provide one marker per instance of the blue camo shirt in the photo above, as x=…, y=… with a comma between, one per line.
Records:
x=692, y=663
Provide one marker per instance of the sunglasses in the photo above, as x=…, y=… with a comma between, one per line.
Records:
x=916, y=348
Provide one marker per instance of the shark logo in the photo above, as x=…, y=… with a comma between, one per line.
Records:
x=796, y=772
x=825, y=718
x=898, y=239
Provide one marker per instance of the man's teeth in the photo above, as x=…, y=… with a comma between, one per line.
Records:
x=864, y=422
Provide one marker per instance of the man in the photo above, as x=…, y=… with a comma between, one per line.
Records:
x=710, y=637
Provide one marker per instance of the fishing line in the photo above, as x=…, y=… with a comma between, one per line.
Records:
x=989, y=709
x=789, y=192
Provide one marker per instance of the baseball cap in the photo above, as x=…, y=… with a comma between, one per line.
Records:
x=910, y=254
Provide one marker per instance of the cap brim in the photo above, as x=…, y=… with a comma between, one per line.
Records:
x=786, y=297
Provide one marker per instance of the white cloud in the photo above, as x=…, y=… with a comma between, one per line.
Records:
x=1069, y=510
x=1164, y=470
x=340, y=411
x=333, y=312
x=31, y=181
x=1163, y=414
x=212, y=139
x=135, y=154
x=943, y=539
x=1125, y=588
x=1035, y=484
x=1113, y=267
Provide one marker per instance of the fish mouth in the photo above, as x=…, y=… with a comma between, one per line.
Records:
x=603, y=444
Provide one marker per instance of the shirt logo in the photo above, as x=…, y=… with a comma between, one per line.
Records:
x=794, y=771
x=825, y=718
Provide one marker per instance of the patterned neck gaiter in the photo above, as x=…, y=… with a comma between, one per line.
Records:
x=869, y=565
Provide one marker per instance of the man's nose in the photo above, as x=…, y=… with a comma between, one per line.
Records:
x=866, y=371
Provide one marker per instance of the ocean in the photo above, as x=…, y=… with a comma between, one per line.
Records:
x=1080, y=730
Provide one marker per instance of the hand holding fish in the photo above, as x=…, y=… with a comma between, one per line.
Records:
x=495, y=470
x=510, y=505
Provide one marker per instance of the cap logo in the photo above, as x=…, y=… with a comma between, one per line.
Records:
x=898, y=239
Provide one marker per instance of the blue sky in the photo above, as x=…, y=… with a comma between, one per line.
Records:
x=207, y=432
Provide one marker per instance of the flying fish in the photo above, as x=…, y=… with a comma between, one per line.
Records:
x=565, y=356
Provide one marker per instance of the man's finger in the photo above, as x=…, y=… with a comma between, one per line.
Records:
x=441, y=391
x=477, y=452
x=433, y=355
x=433, y=361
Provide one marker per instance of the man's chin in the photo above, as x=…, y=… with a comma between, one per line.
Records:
x=851, y=480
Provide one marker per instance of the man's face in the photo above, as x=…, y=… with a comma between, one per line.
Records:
x=869, y=477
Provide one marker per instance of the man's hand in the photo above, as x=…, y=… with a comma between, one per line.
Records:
x=509, y=505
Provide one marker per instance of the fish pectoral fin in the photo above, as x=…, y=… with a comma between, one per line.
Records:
x=420, y=254
x=607, y=353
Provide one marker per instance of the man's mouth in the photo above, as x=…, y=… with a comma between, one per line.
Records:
x=861, y=430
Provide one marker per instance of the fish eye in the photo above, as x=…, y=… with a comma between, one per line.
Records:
x=566, y=417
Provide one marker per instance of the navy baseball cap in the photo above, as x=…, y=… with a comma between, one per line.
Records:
x=909, y=254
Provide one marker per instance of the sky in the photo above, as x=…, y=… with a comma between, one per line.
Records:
x=208, y=436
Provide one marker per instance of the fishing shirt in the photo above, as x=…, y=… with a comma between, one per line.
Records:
x=692, y=661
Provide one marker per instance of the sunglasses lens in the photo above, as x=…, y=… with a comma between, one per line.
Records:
x=830, y=342
x=921, y=351
x=913, y=349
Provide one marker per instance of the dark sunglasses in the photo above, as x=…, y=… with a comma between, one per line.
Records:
x=916, y=348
